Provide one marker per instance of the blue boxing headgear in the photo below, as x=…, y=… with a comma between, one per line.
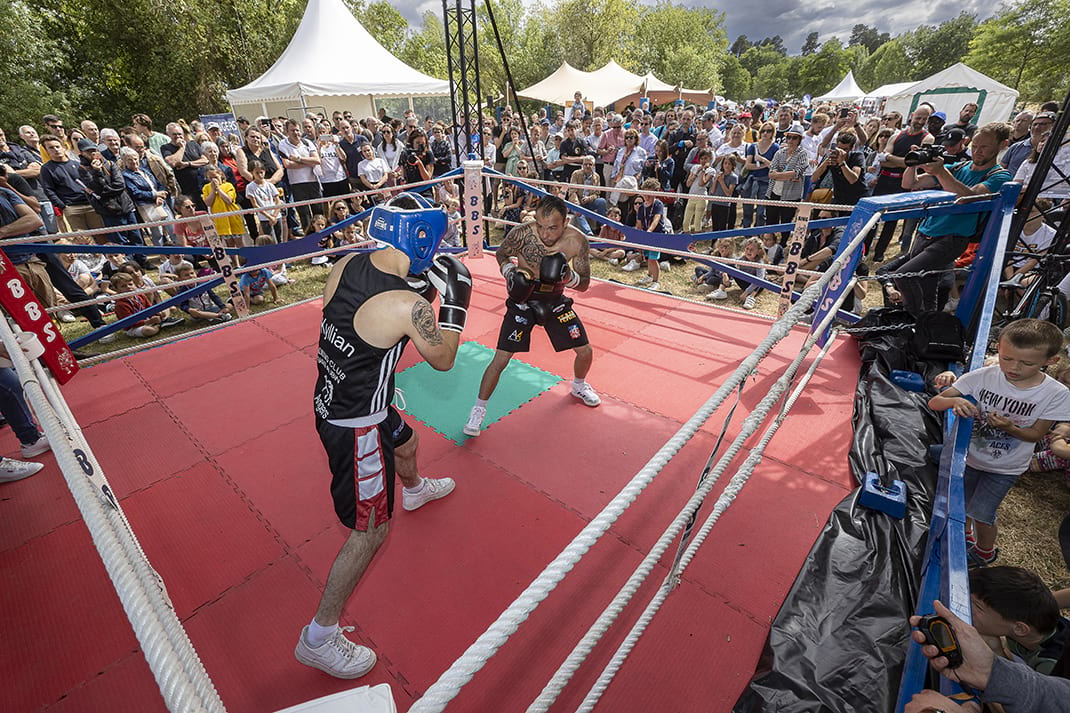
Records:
x=416, y=232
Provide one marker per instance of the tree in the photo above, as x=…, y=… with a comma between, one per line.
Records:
x=811, y=45
x=741, y=45
x=28, y=93
x=772, y=80
x=425, y=50
x=681, y=45
x=885, y=66
x=759, y=56
x=735, y=80
x=385, y=24
x=821, y=71
x=776, y=43
x=932, y=49
x=869, y=37
x=1025, y=46
x=592, y=32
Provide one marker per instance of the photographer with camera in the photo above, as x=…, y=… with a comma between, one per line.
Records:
x=892, y=165
x=417, y=162
x=942, y=238
x=845, y=164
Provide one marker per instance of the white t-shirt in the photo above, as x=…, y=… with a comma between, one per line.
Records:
x=303, y=174
x=1035, y=242
x=1054, y=185
x=373, y=170
x=697, y=188
x=77, y=268
x=262, y=196
x=331, y=168
x=993, y=449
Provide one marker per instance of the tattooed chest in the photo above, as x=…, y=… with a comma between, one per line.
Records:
x=531, y=250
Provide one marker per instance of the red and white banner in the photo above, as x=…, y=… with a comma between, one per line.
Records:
x=18, y=300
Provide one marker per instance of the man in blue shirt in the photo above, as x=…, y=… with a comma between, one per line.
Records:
x=942, y=238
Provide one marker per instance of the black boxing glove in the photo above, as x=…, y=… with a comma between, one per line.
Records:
x=554, y=270
x=519, y=282
x=454, y=284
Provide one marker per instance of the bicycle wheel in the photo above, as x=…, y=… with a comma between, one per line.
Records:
x=1050, y=306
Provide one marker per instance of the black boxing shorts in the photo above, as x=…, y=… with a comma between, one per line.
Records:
x=361, y=461
x=557, y=316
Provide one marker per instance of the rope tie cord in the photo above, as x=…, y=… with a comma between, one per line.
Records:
x=449, y=684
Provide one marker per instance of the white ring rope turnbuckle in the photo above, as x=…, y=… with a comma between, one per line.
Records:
x=449, y=684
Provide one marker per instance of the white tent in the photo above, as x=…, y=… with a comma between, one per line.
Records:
x=846, y=90
x=608, y=85
x=333, y=63
x=602, y=87
x=950, y=89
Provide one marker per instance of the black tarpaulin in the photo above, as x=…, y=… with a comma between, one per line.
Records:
x=839, y=641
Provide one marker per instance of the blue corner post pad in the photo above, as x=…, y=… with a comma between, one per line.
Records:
x=889, y=499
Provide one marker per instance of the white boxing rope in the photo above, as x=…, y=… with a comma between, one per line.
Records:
x=183, y=682
x=735, y=485
x=750, y=425
x=449, y=684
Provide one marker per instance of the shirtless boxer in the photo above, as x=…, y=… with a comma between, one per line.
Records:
x=535, y=285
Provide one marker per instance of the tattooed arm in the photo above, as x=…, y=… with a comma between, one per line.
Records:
x=581, y=264
x=437, y=347
x=522, y=243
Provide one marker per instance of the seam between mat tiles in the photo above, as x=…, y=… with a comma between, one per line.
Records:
x=298, y=561
x=280, y=336
x=820, y=477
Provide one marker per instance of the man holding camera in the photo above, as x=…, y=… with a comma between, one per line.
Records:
x=846, y=166
x=890, y=179
x=942, y=238
x=417, y=162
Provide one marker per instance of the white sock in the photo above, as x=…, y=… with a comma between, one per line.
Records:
x=577, y=383
x=481, y=402
x=418, y=489
x=317, y=634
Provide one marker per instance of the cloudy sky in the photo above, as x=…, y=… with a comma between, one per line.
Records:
x=795, y=19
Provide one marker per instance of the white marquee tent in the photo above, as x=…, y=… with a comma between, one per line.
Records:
x=607, y=85
x=950, y=89
x=846, y=90
x=332, y=63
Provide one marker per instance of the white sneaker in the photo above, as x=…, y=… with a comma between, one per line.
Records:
x=67, y=317
x=654, y=285
x=665, y=265
x=108, y=338
x=337, y=656
x=36, y=448
x=750, y=302
x=587, y=394
x=613, y=261
x=718, y=294
x=475, y=421
x=632, y=266
x=704, y=288
x=645, y=280
x=12, y=470
x=433, y=489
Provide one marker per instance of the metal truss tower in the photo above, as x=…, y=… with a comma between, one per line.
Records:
x=462, y=58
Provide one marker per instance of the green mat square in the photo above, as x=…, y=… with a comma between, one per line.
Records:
x=443, y=399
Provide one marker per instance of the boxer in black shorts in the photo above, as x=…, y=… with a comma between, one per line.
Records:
x=370, y=313
x=535, y=286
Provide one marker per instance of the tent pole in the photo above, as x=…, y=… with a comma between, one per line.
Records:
x=263, y=109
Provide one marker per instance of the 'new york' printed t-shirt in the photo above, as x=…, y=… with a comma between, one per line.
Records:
x=993, y=449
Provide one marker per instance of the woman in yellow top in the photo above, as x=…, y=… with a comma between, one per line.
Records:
x=221, y=197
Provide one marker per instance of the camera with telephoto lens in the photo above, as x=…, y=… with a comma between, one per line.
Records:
x=929, y=153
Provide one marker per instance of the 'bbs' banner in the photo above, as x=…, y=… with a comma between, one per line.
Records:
x=20, y=302
x=226, y=267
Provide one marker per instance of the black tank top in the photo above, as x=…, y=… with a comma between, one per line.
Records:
x=356, y=380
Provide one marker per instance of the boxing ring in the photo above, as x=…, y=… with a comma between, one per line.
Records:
x=209, y=448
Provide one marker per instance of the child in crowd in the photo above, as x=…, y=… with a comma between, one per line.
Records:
x=452, y=238
x=80, y=273
x=1013, y=404
x=611, y=254
x=711, y=279
x=1036, y=238
x=221, y=197
x=264, y=194
x=752, y=252
x=278, y=270
x=1019, y=615
x=318, y=224
x=1052, y=454
x=168, y=270
x=723, y=183
x=125, y=306
x=774, y=251
x=205, y=307
x=141, y=280
x=650, y=216
x=254, y=284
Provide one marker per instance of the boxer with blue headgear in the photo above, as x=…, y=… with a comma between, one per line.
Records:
x=370, y=313
x=416, y=231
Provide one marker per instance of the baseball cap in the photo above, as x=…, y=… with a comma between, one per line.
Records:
x=952, y=136
x=87, y=145
x=215, y=126
x=1050, y=115
x=709, y=116
x=940, y=115
x=745, y=115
